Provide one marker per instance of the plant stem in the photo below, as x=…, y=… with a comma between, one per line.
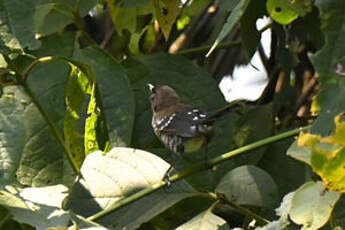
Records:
x=52, y=127
x=196, y=168
x=33, y=64
x=207, y=47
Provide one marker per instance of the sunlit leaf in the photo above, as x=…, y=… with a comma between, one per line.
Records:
x=284, y=11
x=39, y=207
x=115, y=94
x=107, y=178
x=77, y=90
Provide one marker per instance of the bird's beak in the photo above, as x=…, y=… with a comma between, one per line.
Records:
x=151, y=87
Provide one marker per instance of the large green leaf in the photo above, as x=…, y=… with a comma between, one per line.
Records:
x=288, y=173
x=42, y=160
x=249, y=185
x=12, y=131
x=330, y=99
x=312, y=205
x=117, y=100
x=106, y=179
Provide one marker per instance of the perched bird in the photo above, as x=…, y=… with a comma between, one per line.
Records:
x=180, y=127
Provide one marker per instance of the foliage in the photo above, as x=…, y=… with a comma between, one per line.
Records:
x=76, y=143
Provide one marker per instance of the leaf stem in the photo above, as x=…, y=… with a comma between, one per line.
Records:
x=196, y=168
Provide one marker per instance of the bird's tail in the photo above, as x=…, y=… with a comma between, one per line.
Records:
x=232, y=106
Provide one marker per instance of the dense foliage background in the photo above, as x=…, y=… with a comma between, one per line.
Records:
x=76, y=143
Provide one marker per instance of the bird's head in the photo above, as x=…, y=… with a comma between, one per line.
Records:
x=162, y=97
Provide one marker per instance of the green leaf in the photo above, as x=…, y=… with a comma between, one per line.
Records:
x=105, y=179
x=123, y=18
x=204, y=221
x=312, y=205
x=117, y=102
x=249, y=185
x=166, y=12
x=284, y=12
x=233, y=18
x=325, y=61
x=20, y=15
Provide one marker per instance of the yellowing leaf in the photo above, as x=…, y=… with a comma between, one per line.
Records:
x=339, y=136
x=328, y=155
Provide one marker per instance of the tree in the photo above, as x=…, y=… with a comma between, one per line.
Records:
x=75, y=121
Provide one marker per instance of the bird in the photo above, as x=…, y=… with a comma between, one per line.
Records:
x=181, y=127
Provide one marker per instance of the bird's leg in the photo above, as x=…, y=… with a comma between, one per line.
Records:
x=170, y=169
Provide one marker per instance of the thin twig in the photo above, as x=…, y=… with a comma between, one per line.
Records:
x=201, y=49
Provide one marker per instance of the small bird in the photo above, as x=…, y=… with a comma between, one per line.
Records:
x=181, y=127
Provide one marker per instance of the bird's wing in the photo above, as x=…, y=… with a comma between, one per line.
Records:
x=185, y=123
